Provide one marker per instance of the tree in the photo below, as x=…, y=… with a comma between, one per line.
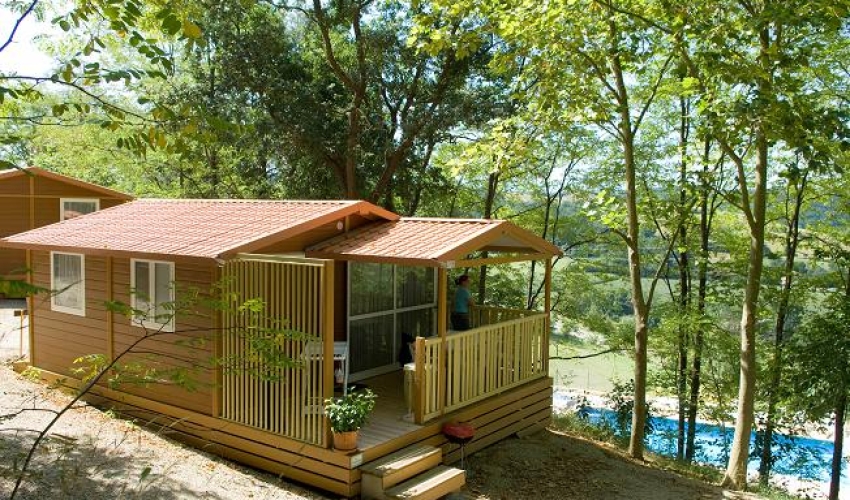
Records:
x=78, y=90
x=819, y=371
x=745, y=101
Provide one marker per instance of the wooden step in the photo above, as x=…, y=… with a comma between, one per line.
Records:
x=436, y=483
x=388, y=471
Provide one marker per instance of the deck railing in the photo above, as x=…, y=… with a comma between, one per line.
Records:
x=488, y=315
x=473, y=365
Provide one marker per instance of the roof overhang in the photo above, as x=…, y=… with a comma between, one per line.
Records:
x=29, y=239
x=40, y=172
x=446, y=243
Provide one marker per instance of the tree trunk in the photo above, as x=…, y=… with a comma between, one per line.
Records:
x=702, y=291
x=838, y=446
x=736, y=471
x=632, y=237
x=489, y=201
x=838, y=438
x=684, y=285
x=792, y=238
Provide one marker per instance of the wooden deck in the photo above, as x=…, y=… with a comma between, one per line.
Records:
x=386, y=423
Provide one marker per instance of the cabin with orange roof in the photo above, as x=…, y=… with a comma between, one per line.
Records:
x=33, y=197
x=352, y=280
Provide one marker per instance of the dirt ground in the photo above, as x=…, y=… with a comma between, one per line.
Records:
x=550, y=465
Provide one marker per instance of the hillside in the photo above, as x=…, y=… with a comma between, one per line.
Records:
x=93, y=455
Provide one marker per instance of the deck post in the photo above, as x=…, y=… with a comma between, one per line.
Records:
x=419, y=392
x=327, y=330
x=31, y=308
x=547, y=324
x=442, y=301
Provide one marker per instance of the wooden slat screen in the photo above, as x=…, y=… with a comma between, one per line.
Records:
x=481, y=362
x=291, y=402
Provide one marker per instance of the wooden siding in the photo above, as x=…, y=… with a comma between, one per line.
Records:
x=172, y=350
x=59, y=338
x=477, y=364
x=15, y=185
x=19, y=212
x=290, y=401
x=301, y=241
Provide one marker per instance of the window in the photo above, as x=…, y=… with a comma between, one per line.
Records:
x=153, y=293
x=68, y=283
x=385, y=303
x=75, y=207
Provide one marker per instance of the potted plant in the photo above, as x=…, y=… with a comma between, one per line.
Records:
x=347, y=414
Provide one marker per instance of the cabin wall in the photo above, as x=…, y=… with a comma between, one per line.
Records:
x=15, y=215
x=316, y=235
x=60, y=338
x=14, y=218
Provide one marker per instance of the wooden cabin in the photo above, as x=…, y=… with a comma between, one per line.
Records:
x=33, y=197
x=354, y=278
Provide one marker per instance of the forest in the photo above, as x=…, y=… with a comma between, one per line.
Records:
x=689, y=158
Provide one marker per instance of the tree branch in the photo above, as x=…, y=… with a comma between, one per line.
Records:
x=18, y=22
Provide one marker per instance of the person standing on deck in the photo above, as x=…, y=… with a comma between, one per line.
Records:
x=461, y=304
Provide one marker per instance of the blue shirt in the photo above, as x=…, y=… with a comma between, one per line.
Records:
x=461, y=300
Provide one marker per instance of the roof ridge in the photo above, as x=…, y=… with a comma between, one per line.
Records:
x=451, y=219
x=245, y=200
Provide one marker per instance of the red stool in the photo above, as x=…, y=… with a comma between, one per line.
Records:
x=460, y=434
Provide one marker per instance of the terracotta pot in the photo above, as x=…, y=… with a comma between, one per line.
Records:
x=345, y=441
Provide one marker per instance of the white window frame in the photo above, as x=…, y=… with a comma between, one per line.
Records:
x=65, y=309
x=150, y=323
x=62, y=202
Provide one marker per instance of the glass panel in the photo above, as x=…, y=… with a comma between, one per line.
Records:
x=415, y=286
x=142, y=286
x=78, y=208
x=372, y=343
x=67, y=280
x=162, y=291
x=371, y=288
x=417, y=323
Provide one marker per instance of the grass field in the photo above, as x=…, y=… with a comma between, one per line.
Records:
x=591, y=374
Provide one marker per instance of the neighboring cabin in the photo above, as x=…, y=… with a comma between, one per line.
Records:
x=33, y=197
x=355, y=278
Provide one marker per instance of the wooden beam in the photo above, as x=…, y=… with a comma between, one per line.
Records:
x=110, y=320
x=418, y=393
x=491, y=261
x=327, y=329
x=218, y=347
x=442, y=301
x=31, y=308
x=401, y=261
x=32, y=202
x=547, y=325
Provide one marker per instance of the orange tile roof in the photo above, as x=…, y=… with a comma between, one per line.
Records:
x=429, y=241
x=192, y=228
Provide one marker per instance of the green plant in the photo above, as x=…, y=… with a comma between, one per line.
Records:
x=350, y=412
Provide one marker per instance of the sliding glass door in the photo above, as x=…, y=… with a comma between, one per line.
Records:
x=386, y=302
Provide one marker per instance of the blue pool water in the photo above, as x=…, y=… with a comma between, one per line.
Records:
x=800, y=457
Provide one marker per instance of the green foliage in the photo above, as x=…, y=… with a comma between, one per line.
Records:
x=350, y=412
x=621, y=399
x=819, y=360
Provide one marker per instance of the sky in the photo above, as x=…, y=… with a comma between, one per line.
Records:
x=22, y=56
